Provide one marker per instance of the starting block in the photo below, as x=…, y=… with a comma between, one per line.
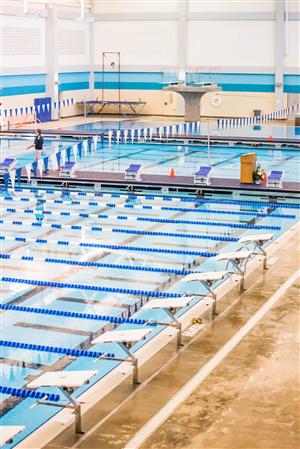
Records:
x=68, y=170
x=170, y=306
x=133, y=172
x=66, y=381
x=124, y=338
x=7, y=165
x=207, y=279
x=238, y=260
x=202, y=176
x=258, y=240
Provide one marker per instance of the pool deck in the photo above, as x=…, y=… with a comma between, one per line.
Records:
x=117, y=179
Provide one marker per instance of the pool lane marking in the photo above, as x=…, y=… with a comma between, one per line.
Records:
x=167, y=221
x=111, y=248
x=120, y=231
x=81, y=263
x=159, y=418
x=65, y=203
x=150, y=197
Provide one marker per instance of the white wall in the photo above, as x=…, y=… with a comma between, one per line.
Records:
x=134, y=6
x=144, y=43
x=73, y=42
x=23, y=42
x=292, y=58
x=231, y=43
x=231, y=5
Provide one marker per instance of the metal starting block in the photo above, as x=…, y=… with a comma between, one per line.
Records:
x=258, y=240
x=238, y=260
x=125, y=339
x=170, y=306
x=66, y=381
x=207, y=279
x=68, y=170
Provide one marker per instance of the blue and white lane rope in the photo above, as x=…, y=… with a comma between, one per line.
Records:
x=77, y=315
x=218, y=238
x=54, y=349
x=123, y=291
x=68, y=203
x=167, y=271
x=167, y=198
x=125, y=248
x=144, y=219
x=31, y=394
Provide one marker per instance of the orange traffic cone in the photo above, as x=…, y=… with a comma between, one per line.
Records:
x=265, y=178
x=270, y=138
x=172, y=172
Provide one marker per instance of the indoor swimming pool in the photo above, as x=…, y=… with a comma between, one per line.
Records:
x=160, y=158
x=103, y=254
x=185, y=160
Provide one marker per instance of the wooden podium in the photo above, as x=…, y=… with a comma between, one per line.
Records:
x=248, y=166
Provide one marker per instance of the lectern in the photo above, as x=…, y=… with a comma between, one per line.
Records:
x=248, y=166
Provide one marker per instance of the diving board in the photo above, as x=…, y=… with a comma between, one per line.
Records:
x=66, y=381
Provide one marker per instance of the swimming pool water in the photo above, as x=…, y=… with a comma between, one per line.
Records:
x=185, y=160
x=202, y=128
x=146, y=235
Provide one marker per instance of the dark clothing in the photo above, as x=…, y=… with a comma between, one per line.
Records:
x=38, y=142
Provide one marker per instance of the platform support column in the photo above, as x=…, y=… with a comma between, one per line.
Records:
x=77, y=410
x=134, y=360
x=178, y=327
x=280, y=43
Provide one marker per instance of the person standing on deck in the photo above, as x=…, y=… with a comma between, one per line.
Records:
x=37, y=144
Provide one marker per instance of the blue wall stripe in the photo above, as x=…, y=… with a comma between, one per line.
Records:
x=74, y=77
x=22, y=90
x=63, y=87
x=130, y=85
x=160, y=86
x=22, y=80
x=234, y=82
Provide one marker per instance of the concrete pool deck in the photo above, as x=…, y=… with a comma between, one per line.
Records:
x=248, y=402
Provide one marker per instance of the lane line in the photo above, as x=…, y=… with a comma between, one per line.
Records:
x=159, y=418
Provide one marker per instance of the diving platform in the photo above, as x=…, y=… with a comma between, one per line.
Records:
x=192, y=97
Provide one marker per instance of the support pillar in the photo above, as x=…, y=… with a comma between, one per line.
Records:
x=280, y=38
x=192, y=98
x=91, y=57
x=52, y=83
x=191, y=106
